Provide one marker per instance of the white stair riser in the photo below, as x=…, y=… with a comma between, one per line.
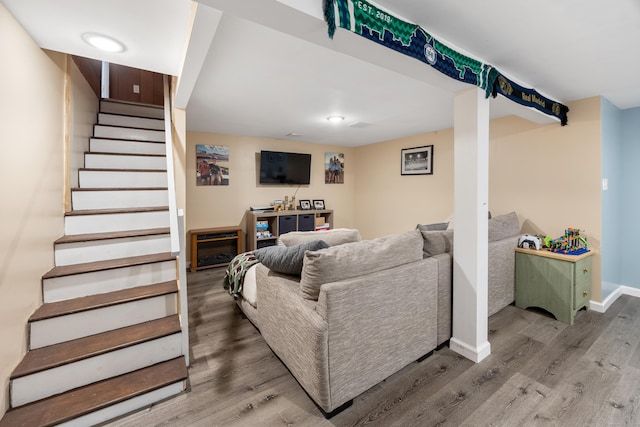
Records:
x=60, y=379
x=105, y=223
x=102, y=250
x=130, y=147
x=131, y=110
x=118, y=199
x=98, y=282
x=100, y=131
x=78, y=325
x=125, y=407
x=114, y=161
x=129, y=121
x=121, y=179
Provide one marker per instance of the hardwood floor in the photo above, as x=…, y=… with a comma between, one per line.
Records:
x=541, y=372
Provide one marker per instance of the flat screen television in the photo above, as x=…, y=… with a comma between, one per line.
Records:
x=277, y=167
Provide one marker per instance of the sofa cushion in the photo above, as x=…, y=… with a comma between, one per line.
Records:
x=503, y=226
x=334, y=237
x=287, y=260
x=356, y=259
x=436, y=242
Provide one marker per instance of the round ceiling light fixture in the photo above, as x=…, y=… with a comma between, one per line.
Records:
x=102, y=42
x=335, y=119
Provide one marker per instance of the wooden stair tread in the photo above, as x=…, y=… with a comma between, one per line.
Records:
x=106, y=153
x=73, y=238
x=143, y=141
x=104, y=125
x=120, y=101
x=120, y=170
x=55, y=355
x=129, y=115
x=68, y=270
x=116, y=210
x=91, y=302
x=121, y=189
x=84, y=400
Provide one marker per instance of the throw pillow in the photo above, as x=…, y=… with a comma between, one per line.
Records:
x=287, y=260
x=356, y=259
x=334, y=237
x=503, y=226
x=435, y=226
x=437, y=242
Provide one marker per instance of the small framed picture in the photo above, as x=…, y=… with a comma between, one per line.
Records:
x=318, y=204
x=305, y=205
x=417, y=161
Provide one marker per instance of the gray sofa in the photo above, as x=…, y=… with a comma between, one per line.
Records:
x=358, y=313
x=503, y=234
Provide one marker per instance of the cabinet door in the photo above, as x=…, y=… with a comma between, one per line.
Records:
x=306, y=222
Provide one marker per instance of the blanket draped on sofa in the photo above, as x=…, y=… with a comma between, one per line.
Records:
x=236, y=270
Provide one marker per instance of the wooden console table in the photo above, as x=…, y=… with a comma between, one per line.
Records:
x=214, y=247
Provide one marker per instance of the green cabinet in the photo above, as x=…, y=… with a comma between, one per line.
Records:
x=558, y=283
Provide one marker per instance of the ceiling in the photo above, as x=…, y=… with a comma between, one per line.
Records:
x=264, y=68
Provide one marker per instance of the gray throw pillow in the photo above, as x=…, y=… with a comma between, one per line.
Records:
x=503, y=226
x=287, y=260
x=430, y=227
x=437, y=242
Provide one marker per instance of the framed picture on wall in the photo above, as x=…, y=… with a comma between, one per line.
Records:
x=417, y=160
x=212, y=164
x=334, y=168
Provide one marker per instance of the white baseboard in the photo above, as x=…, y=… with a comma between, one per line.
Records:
x=603, y=306
x=475, y=354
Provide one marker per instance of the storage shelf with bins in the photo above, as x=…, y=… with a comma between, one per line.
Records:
x=214, y=247
x=263, y=228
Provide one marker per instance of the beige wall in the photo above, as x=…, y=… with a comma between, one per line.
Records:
x=388, y=202
x=550, y=175
x=83, y=114
x=31, y=172
x=219, y=206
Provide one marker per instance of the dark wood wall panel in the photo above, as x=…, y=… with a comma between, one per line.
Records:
x=91, y=69
x=122, y=79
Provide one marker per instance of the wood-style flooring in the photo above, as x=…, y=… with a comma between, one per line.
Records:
x=541, y=372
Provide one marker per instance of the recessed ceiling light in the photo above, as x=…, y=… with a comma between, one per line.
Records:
x=335, y=119
x=102, y=42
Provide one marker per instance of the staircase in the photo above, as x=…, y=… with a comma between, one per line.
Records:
x=107, y=339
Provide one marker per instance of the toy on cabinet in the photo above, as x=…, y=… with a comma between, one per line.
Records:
x=571, y=243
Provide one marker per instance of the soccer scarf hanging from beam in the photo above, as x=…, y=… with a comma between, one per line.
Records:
x=373, y=23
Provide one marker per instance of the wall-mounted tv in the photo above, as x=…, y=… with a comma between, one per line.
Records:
x=277, y=167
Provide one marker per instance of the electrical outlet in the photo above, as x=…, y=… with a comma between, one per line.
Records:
x=136, y=88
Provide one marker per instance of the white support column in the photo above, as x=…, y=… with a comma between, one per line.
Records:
x=470, y=259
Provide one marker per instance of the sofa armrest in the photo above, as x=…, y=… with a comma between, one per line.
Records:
x=377, y=324
x=445, y=296
x=501, y=280
x=294, y=331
